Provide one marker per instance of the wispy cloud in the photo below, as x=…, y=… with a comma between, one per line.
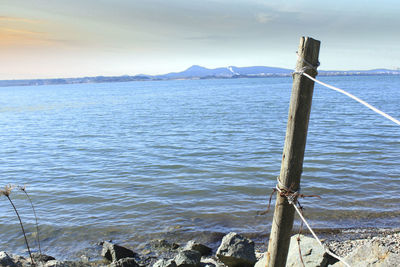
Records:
x=21, y=32
x=264, y=17
x=15, y=37
x=18, y=19
x=209, y=37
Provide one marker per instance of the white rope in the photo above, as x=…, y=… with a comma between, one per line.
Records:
x=312, y=232
x=293, y=202
x=292, y=198
x=316, y=237
x=353, y=97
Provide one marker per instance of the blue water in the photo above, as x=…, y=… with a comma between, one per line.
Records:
x=142, y=160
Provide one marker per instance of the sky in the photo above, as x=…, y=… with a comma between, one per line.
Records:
x=66, y=38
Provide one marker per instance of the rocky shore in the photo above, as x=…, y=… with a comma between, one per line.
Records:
x=357, y=247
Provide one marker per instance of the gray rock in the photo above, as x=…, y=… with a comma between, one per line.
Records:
x=54, y=263
x=6, y=260
x=114, y=252
x=188, y=258
x=78, y=264
x=125, y=262
x=13, y=260
x=163, y=244
x=19, y=260
x=311, y=252
x=262, y=262
x=236, y=251
x=165, y=263
x=37, y=257
x=371, y=255
x=192, y=245
x=211, y=262
x=84, y=258
x=259, y=255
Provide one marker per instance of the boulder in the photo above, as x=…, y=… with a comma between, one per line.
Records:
x=204, y=250
x=311, y=252
x=13, y=260
x=37, y=257
x=262, y=262
x=163, y=244
x=236, y=251
x=211, y=262
x=56, y=263
x=165, y=263
x=114, y=252
x=124, y=262
x=371, y=255
x=188, y=258
x=6, y=260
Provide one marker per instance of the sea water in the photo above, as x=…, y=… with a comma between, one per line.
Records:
x=189, y=159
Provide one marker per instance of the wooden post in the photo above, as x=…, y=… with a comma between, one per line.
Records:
x=293, y=152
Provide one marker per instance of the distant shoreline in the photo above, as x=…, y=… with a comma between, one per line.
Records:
x=120, y=79
x=195, y=73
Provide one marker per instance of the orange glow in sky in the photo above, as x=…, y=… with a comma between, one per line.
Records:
x=43, y=39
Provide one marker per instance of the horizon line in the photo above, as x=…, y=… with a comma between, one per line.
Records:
x=195, y=65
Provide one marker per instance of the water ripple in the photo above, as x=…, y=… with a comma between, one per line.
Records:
x=133, y=161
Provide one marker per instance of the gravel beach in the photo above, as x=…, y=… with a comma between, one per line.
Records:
x=348, y=240
x=343, y=243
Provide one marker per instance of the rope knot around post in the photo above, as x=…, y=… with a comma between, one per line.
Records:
x=287, y=193
x=310, y=68
x=290, y=194
x=292, y=198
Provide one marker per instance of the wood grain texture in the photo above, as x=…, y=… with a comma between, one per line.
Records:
x=293, y=152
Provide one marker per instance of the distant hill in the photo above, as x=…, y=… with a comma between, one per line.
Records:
x=196, y=72
x=96, y=79
x=260, y=70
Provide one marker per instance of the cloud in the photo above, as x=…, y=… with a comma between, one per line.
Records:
x=264, y=17
x=18, y=19
x=20, y=32
x=14, y=37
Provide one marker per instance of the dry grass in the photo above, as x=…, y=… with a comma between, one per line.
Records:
x=23, y=189
x=7, y=192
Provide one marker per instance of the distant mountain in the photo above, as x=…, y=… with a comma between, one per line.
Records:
x=196, y=72
x=260, y=70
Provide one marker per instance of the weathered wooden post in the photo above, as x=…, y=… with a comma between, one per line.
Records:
x=293, y=152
